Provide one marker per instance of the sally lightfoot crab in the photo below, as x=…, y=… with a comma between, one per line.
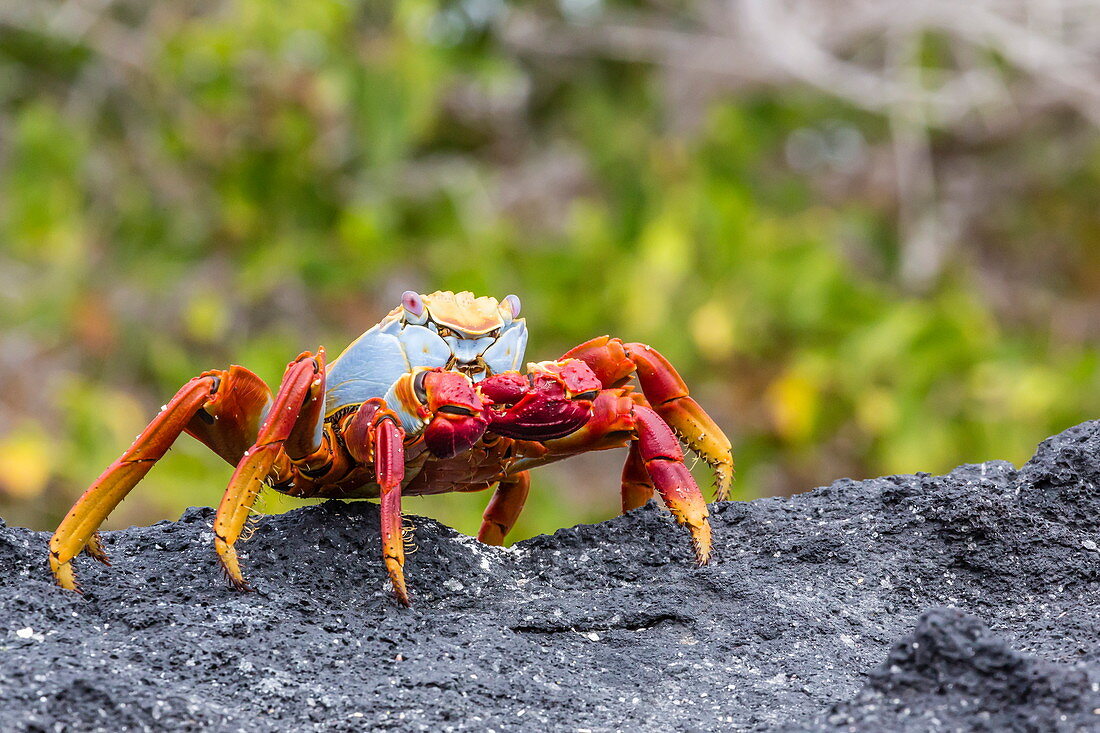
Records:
x=428, y=401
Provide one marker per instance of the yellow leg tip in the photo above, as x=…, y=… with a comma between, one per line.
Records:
x=695, y=519
x=397, y=580
x=227, y=555
x=401, y=593
x=700, y=542
x=94, y=549
x=723, y=483
x=63, y=573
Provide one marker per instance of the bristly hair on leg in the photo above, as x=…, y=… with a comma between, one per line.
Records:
x=254, y=515
x=408, y=536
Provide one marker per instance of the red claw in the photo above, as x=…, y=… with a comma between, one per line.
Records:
x=577, y=376
x=554, y=400
x=447, y=436
x=459, y=418
x=506, y=388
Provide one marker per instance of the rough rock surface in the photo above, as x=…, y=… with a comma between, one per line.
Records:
x=958, y=602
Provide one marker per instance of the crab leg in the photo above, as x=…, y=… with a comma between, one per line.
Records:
x=229, y=422
x=637, y=485
x=666, y=391
x=664, y=462
x=77, y=529
x=655, y=460
x=219, y=408
x=292, y=416
x=613, y=362
x=504, y=508
x=389, y=469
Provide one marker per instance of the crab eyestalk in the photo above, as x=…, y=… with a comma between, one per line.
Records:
x=458, y=415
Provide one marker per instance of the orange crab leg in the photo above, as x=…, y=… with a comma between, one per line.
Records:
x=221, y=408
x=389, y=469
x=669, y=396
x=613, y=362
x=230, y=420
x=504, y=508
x=664, y=462
x=606, y=357
x=655, y=460
x=302, y=385
x=77, y=529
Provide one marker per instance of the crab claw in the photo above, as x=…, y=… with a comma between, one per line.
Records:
x=458, y=414
x=553, y=400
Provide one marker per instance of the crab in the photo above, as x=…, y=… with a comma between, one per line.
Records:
x=429, y=400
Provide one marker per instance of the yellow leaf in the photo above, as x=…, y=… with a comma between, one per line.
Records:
x=876, y=411
x=712, y=329
x=794, y=400
x=25, y=464
x=207, y=316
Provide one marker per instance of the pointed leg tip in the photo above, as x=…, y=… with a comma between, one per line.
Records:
x=70, y=585
x=63, y=574
x=701, y=543
x=227, y=558
x=242, y=585
x=400, y=591
x=73, y=586
x=395, y=571
x=98, y=554
x=724, y=484
x=237, y=581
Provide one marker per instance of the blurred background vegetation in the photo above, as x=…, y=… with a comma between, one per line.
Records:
x=866, y=232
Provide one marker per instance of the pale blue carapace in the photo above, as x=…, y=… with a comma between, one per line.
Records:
x=476, y=336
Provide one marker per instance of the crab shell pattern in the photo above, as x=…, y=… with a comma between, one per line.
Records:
x=453, y=331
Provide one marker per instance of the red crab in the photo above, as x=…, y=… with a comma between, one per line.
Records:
x=428, y=401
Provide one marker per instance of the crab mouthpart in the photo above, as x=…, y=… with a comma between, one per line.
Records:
x=476, y=370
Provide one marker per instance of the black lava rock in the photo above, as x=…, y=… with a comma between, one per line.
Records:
x=953, y=672
x=988, y=576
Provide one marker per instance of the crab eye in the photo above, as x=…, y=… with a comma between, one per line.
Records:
x=589, y=395
x=414, y=307
x=509, y=308
x=444, y=332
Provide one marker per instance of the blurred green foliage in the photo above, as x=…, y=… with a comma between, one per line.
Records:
x=241, y=182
